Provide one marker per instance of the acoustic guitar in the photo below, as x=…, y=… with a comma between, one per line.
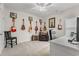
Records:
x=23, y=26
x=40, y=21
x=36, y=28
x=30, y=21
x=13, y=28
x=44, y=26
x=59, y=25
x=30, y=28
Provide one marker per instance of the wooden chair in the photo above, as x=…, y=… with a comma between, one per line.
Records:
x=9, y=40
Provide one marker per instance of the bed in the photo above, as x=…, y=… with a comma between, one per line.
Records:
x=61, y=47
x=31, y=48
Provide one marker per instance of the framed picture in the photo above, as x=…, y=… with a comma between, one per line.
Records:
x=52, y=22
x=13, y=15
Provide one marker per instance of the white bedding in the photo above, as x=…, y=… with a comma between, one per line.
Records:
x=61, y=47
x=64, y=41
x=61, y=50
x=32, y=48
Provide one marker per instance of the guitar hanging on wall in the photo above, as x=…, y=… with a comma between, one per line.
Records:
x=13, y=28
x=40, y=21
x=30, y=21
x=59, y=25
x=45, y=28
x=23, y=26
x=13, y=16
x=36, y=28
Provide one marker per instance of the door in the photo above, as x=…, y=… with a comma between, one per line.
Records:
x=77, y=38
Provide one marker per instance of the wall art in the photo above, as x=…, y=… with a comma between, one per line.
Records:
x=52, y=22
x=13, y=28
x=23, y=26
x=36, y=28
x=45, y=28
x=40, y=21
x=59, y=25
x=30, y=21
x=13, y=16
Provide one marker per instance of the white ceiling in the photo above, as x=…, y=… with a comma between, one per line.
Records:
x=57, y=8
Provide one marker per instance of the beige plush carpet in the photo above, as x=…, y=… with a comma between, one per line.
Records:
x=32, y=48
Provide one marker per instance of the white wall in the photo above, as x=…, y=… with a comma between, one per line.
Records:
x=22, y=36
x=70, y=17
x=1, y=28
x=59, y=33
x=70, y=25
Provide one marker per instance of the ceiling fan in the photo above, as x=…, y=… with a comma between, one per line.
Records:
x=42, y=6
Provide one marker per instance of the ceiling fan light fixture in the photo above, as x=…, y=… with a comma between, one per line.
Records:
x=42, y=6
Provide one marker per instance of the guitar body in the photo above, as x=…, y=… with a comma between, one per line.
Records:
x=36, y=29
x=60, y=27
x=30, y=28
x=13, y=29
x=23, y=27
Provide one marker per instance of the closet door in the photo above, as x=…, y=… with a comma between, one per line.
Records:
x=77, y=29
